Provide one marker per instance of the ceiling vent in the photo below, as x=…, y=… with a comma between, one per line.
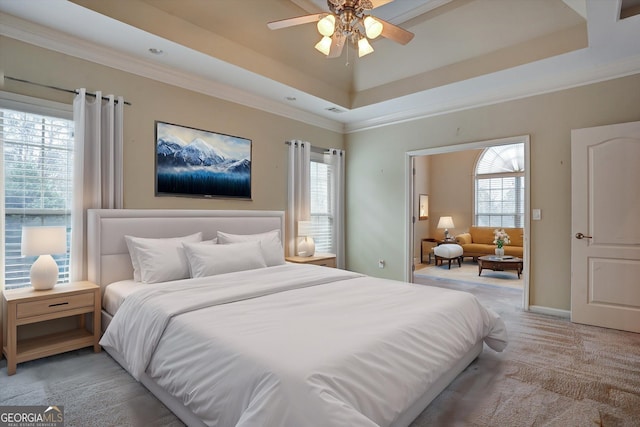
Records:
x=335, y=110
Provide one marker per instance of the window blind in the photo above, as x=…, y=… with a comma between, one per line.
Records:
x=499, y=191
x=37, y=152
x=321, y=209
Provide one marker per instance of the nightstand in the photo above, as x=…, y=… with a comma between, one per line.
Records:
x=426, y=249
x=325, y=260
x=25, y=306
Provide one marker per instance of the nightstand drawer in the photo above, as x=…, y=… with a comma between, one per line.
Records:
x=329, y=262
x=54, y=305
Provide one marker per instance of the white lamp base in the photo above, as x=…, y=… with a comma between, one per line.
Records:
x=307, y=247
x=44, y=273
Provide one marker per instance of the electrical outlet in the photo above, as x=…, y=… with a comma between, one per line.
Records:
x=381, y=263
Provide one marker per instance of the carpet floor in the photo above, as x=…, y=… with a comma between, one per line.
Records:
x=553, y=373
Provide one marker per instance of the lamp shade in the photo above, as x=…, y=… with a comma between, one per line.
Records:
x=364, y=48
x=327, y=25
x=304, y=228
x=44, y=240
x=445, y=222
x=373, y=27
x=324, y=45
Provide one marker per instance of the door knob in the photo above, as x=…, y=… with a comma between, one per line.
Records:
x=581, y=236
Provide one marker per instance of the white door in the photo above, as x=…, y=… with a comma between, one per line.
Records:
x=605, y=217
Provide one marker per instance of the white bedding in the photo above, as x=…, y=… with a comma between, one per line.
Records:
x=116, y=293
x=296, y=345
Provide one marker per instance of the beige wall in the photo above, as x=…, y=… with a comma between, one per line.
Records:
x=152, y=101
x=452, y=189
x=376, y=163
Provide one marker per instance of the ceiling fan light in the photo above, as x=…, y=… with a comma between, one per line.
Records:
x=364, y=48
x=372, y=27
x=327, y=25
x=324, y=45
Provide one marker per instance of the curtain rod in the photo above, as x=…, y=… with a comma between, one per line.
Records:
x=58, y=88
x=318, y=150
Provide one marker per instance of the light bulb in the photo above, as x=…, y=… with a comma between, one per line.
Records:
x=372, y=27
x=324, y=45
x=327, y=25
x=364, y=48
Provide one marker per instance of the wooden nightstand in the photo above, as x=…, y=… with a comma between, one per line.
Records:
x=26, y=305
x=426, y=249
x=325, y=260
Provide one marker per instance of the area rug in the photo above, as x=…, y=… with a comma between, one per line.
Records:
x=468, y=273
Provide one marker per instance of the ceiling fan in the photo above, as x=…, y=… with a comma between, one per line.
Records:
x=346, y=22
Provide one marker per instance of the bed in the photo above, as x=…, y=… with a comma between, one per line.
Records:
x=276, y=344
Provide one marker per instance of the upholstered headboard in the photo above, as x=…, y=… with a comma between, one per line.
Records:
x=107, y=254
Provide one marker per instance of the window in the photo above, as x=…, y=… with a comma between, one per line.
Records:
x=321, y=208
x=37, y=152
x=499, y=191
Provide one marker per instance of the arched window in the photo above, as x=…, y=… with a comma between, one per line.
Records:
x=499, y=195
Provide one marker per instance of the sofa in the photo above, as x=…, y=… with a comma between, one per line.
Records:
x=478, y=241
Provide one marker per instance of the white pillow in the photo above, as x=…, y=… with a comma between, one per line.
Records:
x=137, y=245
x=270, y=242
x=209, y=260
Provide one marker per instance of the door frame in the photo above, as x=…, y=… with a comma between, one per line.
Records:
x=409, y=200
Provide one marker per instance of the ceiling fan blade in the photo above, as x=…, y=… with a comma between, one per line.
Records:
x=337, y=44
x=395, y=33
x=299, y=20
x=378, y=3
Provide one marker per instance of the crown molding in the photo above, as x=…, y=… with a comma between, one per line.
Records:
x=54, y=40
x=578, y=68
x=485, y=90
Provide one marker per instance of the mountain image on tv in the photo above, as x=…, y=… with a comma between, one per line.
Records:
x=201, y=163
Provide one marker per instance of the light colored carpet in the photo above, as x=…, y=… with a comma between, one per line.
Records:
x=94, y=390
x=553, y=373
x=468, y=273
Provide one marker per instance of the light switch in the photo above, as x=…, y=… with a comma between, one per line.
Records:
x=536, y=214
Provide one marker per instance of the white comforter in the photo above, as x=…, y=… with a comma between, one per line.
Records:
x=297, y=345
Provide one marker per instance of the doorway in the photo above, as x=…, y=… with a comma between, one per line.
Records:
x=464, y=192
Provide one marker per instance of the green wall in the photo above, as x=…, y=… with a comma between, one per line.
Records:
x=376, y=175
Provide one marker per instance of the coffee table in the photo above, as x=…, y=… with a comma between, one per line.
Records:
x=492, y=262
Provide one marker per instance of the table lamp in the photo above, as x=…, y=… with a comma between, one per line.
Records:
x=43, y=242
x=306, y=247
x=446, y=222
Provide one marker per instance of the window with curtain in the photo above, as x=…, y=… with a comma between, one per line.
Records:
x=37, y=152
x=499, y=189
x=322, y=219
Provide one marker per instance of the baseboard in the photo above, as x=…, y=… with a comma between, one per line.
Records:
x=566, y=314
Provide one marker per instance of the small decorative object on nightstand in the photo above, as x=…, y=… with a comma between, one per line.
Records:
x=25, y=305
x=43, y=242
x=306, y=247
x=325, y=260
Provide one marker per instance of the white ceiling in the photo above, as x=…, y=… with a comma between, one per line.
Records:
x=465, y=53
